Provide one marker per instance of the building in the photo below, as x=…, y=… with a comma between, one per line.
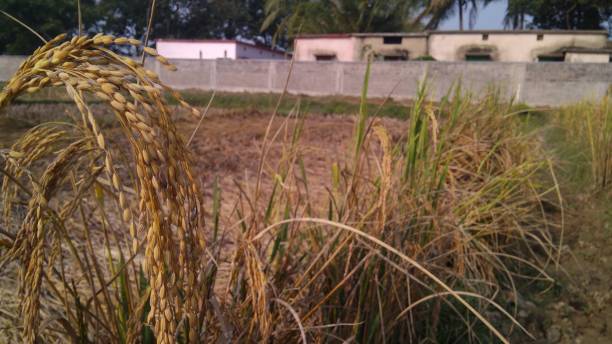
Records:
x=516, y=46
x=495, y=45
x=355, y=46
x=215, y=49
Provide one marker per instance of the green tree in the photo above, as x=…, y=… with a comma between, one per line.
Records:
x=292, y=17
x=186, y=18
x=436, y=11
x=570, y=14
x=47, y=17
x=173, y=19
x=516, y=14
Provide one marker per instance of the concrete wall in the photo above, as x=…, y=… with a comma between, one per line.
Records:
x=8, y=66
x=587, y=57
x=510, y=46
x=565, y=83
x=537, y=84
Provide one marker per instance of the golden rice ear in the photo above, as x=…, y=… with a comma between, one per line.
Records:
x=85, y=66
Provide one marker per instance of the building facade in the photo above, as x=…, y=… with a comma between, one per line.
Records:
x=356, y=46
x=215, y=49
x=496, y=45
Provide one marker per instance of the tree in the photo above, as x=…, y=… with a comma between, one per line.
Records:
x=47, y=17
x=570, y=14
x=559, y=14
x=292, y=17
x=516, y=13
x=173, y=19
x=436, y=11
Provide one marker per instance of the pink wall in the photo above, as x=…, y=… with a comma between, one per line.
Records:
x=197, y=50
x=213, y=49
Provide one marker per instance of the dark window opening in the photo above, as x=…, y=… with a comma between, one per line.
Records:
x=485, y=36
x=395, y=58
x=540, y=37
x=392, y=40
x=478, y=57
x=551, y=58
x=325, y=57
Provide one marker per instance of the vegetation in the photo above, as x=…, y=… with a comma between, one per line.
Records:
x=261, y=102
x=566, y=15
x=175, y=19
x=415, y=239
x=263, y=20
x=439, y=10
x=587, y=129
x=291, y=17
x=420, y=236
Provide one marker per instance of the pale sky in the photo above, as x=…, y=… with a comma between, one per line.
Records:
x=491, y=17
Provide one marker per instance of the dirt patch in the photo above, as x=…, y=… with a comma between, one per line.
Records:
x=583, y=311
x=228, y=146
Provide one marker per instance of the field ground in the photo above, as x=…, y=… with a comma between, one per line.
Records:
x=227, y=148
x=578, y=310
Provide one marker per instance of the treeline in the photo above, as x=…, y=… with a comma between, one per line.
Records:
x=277, y=21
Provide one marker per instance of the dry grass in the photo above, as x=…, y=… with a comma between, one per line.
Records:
x=587, y=131
x=418, y=232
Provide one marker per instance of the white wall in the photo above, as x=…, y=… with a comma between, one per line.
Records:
x=345, y=48
x=587, y=58
x=510, y=47
x=196, y=50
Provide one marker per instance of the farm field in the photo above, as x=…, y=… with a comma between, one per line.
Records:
x=227, y=147
x=387, y=180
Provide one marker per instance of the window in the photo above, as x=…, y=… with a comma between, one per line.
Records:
x=551, y=58
x=485, y=36
x=478, y=57
x=540, y=37
x=395, y=58
x=392, y=40
x=325, y=57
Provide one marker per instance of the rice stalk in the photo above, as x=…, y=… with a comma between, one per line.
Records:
x=169, y=223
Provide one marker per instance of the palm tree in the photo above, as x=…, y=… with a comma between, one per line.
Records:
x=292, y=17
x=516, y=12
x=439, y=10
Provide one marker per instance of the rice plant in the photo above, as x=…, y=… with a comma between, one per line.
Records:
x=416, y=237
x=431, y=227
x=81, y=186
x=586, y=130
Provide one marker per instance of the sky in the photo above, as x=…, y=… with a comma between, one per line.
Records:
x=491, y=17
